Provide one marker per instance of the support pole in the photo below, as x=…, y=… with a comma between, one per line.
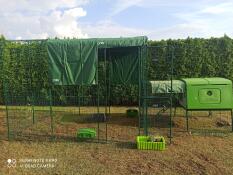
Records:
x=79, y=100
x=109, y=84
x=98, y=93
x=7, y=121
x=51, y=111
x=187, y=120
x=109, y=81
x=145, y=119
x=139, y=91
x=33, y=108
x=106, y=94
x=171, y=95
x=147, y=131
x=231, y=120
x=7, y=113
x=175, y=111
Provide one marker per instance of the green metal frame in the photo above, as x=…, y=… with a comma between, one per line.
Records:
x=142, y=52
x=144, y=96
x=107, y=56
x=196, y=106
x=187, y=116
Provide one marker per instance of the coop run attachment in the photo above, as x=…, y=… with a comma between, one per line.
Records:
x=193, y=95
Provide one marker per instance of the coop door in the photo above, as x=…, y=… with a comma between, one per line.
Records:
x=209, y=96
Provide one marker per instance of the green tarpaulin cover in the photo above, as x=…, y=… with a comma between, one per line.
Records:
x=124, y=66
x=121, y=42
x=178, y=86
x=74, y=61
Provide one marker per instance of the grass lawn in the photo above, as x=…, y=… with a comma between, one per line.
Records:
x=187, y=155
x=190, y=153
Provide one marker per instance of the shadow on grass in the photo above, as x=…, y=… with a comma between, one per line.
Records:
x=114, y=118
x=126, y=145
x=211, y=132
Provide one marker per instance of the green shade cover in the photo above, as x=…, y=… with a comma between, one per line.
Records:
x=74, y=61
x=124, y=66
x=121, y=42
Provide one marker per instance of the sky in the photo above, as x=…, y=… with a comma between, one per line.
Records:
x=157, y=19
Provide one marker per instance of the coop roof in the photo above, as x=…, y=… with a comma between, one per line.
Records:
x=165, y=86
x=205, y=81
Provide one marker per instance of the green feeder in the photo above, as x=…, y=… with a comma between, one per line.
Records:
x=86, y=133
x=132, y=113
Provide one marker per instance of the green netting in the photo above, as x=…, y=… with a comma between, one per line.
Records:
x=178, y=86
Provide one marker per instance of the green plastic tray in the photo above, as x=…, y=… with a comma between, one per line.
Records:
x=132, y=113
x=145, y=143
x=86, y=133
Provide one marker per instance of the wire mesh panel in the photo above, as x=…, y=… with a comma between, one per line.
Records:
x=3, y=123
x=183, y=65
x=76, y=108
x=25, y=90
x=158, y=106
x=38, y=109
x=209, y=123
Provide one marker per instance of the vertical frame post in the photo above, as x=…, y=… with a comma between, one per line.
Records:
x=82, y=96
x=106, y=94
x=231, y=120
x=144, y=95
x=7, y=112
x=187, y=120
x=139, y=91
x=171, y=93
x=145, y=117
x=51, y=111
x=98, y=92
x=109, y=83
x=33, y=108
x=79, y=90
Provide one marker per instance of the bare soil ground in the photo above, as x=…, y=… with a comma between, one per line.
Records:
x=189, y=153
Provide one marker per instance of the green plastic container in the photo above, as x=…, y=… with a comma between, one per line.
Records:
x=132, y=113
x=146, y=143
x=86, y=133
x=207, y=93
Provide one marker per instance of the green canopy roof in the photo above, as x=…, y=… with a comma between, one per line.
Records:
x=74, y=61
x=121, y=42
x=107, y=42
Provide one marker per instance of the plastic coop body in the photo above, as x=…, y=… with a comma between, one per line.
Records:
x=207, y=93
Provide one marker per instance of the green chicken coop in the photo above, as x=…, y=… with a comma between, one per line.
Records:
x=207, y=93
